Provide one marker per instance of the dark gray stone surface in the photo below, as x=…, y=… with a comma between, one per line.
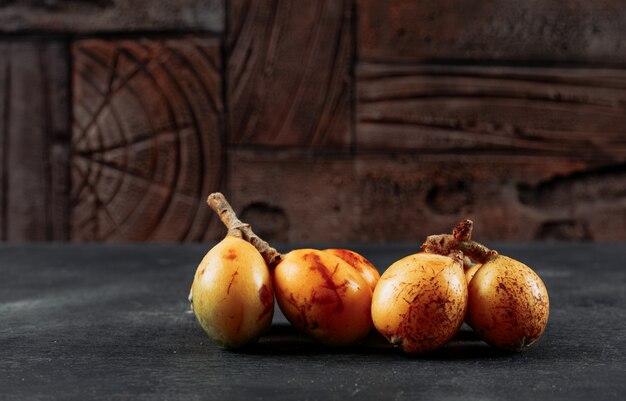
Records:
x=112, y=322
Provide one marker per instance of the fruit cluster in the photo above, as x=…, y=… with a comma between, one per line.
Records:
x=336, y=296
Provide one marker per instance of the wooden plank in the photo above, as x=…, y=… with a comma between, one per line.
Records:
x=35, y=127
x=55, y=66
x=5, y=77
x=589, y=204
x=111, y=16
x=27, y=146
x=526, y=31
x=406, y=198
x=570, y=112
x=146, y=143
x=291, y=197
x=528, y=153
x=289, y=69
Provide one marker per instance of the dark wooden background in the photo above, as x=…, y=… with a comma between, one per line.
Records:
x=321, y=120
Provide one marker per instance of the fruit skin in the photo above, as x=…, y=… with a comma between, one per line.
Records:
x=420, y=302
x=233, y=296
x=508, y=304
x=323, y=296
x=469, y=273
x=365, y=268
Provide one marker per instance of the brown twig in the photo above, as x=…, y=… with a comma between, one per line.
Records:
x=467, y=263
x=237, y=228
x=463, y=230
x=460, y=240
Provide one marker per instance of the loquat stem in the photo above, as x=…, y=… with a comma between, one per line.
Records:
x=460, y=240
x=463, y=230
x=467, y=263
x=237, y=228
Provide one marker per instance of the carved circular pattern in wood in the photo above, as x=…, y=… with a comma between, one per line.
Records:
x=146, y=146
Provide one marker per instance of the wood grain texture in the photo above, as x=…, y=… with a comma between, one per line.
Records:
x=146, y=142
x=564, y=31
x=383, y=197
x=111, y=15
x=527, y=153
x=407, y=197
x=5, y=76
x=586, y=205
x=292, y=197
x=571, y=112
x=289, y=73
x=34, y=137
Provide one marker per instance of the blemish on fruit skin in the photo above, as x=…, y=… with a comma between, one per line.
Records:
x=323, y=299
x=267, y=300
x=232, y=280
x=302, y=319
x=354, y=259
x=231, y=255
x=317, y=265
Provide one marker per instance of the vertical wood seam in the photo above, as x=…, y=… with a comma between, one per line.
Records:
x=354, y=31
x=69, y=115
x=5, y=139
x=225, y=134
x=46, y=100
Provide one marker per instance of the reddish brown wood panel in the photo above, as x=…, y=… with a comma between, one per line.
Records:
x=111, y=15
x=405, y=198
x=34, y=140
x=384, y=197
x=289, y=73
x=292, y=196
x=589, y=204
x=578, y=113
x=565, y=30
x=146, y=141
x=528, y=153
